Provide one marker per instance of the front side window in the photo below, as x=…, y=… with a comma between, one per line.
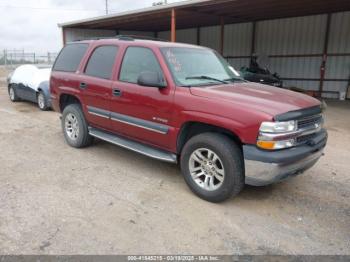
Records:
x=198, y=66
x=101, y=62
x=136, y=61
x=70, y=57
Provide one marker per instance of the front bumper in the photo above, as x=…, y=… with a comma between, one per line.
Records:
x=268, y=167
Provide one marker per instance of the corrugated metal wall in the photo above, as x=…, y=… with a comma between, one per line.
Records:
x=291, y=38
x=238, y=42
x=339, y=42
x=285, y=38
x=300, y=35
x=188, y=36
x=238, y=39
x=165, y=35
x=210, y=37
x=73, y=34
x=141, y=33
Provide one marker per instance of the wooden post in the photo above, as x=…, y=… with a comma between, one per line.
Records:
x=222, y=36
x=325, y=54
x=173, y=25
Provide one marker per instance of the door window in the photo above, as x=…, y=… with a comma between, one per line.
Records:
x=136, y=61
x=101, y=62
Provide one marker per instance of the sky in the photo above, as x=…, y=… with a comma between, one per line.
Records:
x=32, y=25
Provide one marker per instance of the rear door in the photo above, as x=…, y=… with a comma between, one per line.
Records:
x=96, y=85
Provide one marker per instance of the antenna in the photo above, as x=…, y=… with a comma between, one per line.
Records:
x=163, y=2
x=106, y=7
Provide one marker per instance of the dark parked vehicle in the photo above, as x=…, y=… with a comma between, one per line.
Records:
x=184, y=104
x=260, y=74
x=30, y=83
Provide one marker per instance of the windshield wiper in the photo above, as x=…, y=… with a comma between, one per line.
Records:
x=207, y=78
x=234, y=79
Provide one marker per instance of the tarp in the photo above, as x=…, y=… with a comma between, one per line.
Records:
x=30, y=76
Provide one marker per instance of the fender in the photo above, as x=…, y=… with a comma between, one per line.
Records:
x=216, y=120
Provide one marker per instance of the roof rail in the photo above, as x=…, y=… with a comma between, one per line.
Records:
x=140, y=37
x=125, y=38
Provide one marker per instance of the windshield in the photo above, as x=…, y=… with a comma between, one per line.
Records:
x=197, y=67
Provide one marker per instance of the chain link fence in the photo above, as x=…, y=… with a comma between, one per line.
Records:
x=13, y=58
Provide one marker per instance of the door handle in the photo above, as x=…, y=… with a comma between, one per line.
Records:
x=117, y=92
x=83, y=85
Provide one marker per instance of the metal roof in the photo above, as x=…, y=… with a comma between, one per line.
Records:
x=141, y=11
x=196, y=13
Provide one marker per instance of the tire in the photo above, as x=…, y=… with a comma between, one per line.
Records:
x=12, y=93
x=75, y=127
x=219, y=152
x=42, y=101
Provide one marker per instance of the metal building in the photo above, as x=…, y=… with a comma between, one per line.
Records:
x=308, y=41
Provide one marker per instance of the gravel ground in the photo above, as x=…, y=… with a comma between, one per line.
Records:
x=106, y=200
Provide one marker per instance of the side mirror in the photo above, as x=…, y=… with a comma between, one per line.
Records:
x=152, y=79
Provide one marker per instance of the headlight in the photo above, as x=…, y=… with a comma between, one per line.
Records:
x=278, y=127
x=277, y=135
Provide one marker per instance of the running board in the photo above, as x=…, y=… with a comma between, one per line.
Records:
x=133, y=146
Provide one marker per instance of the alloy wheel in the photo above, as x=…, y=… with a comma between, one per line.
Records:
x=41, y=101
x=71, y=126
x=206, y=169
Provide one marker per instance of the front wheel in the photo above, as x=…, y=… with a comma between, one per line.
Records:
x=212, y=165
x=75, y=127
x=12, y=94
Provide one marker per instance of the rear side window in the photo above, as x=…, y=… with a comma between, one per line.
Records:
x=101, y=62
x=70, y=57
x=136, y=61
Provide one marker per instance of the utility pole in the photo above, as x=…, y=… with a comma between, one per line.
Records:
x=106, y=7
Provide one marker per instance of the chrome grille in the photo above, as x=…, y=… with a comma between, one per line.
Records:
x=310, y=121
x=310, y=127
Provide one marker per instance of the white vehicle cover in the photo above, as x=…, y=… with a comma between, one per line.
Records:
x=30, y=75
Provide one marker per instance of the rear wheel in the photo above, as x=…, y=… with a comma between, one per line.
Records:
x=212, y=165
x=13, y=94
x=75, y=127
x=42, y=102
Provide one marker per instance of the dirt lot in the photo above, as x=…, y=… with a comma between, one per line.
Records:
x=105, y=200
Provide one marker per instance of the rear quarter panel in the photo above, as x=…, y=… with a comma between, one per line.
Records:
x=63, y=83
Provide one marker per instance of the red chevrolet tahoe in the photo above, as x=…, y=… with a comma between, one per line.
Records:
x=185, y=104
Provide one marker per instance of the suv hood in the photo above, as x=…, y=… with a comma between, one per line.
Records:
x=268, y=99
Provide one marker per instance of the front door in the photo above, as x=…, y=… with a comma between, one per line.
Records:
x=142, y=113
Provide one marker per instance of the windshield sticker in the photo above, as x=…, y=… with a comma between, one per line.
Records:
x=173, y=60
x=234, y=71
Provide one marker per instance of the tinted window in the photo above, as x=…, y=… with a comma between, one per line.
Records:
x=70, y=57
x=136, y=61
x=101, y=62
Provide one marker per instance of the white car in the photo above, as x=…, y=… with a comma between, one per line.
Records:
x=30, y=83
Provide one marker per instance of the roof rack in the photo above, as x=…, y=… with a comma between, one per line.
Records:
x=125, y=38
x=140, y=37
